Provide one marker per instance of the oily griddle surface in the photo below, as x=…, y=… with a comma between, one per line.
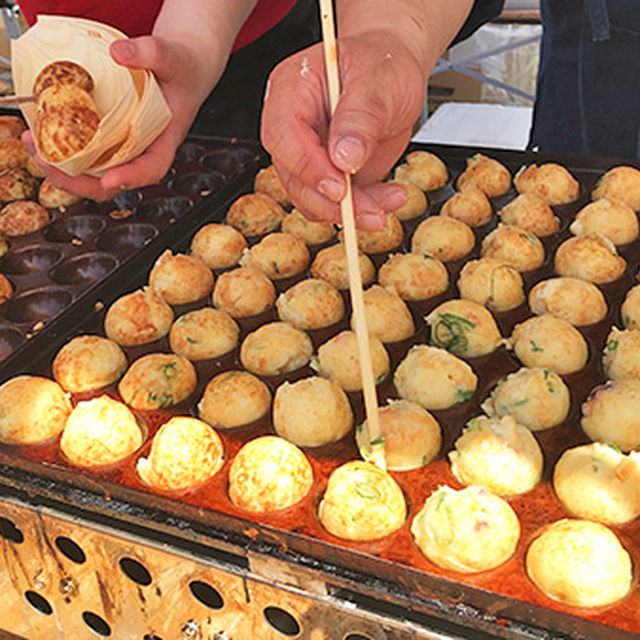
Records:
x=505, y=591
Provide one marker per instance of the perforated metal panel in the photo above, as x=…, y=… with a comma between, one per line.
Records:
x=69, y=579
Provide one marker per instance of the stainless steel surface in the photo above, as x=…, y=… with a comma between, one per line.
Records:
x=63, y=578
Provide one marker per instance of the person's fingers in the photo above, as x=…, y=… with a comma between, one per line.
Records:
x=292, y=131
x=84, y=186
x=146, y=52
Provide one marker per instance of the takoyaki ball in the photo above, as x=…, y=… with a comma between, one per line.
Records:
x=6, y=289
x=414, y=276
x=278, y=256
x=362, y=502
x=386, y=239
x=621, y=357
x=17, y=184
x=487, y=174
x=87, y=363
x=491, y=283
x=412, y=436
x=32, y=409
x=180, y=278
x=514, y=246
x=465, y=328
x=268, y=182
x=268, y=474
x=14, y=154
x=467, y=531
x=434, y=378
x=255, y=214
x=310, y=232
x=416, y=204
x=579, y=563
x=234, y=399
x=612, y=219
x=470, y=206
x=219, y=246
x=630, y=309
x=620, y=183
x=443, y=238
x=62, y=72
x=549, y=343
x=185, y=452
x=311, y=412
x=11, y=127
x=532, y=214
x=388, y=317
x=611, y=414
x=275, y=348
x=536, y=398
x=243, y=292
x=203, y=333
x=331, y=265
x=339, y=360
x=21, y=217
x=599, y=482
x=311, y=304
x=577, y=301
x=591, y=258
x=424, y=169
x=157, y=381
x=551, y=182
x=138, y=318
x=100, y=431
x=52, y=197
x=498, y=454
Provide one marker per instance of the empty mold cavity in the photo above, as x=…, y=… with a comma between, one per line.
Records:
x=126, y=238
x=78, y=228
x=39, y=305
x=228, y=161
x=158, y=208
x=124, y=200
x=30, y=260
x=282, y=621
x=189, y=152
x=10, y=340
x=201, y=183
x=84, y=269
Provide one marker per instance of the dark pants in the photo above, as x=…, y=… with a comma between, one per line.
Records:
x=588, y=93
x=233, y=107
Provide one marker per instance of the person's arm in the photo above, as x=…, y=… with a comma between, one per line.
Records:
x=187, y=51
x=386, y=52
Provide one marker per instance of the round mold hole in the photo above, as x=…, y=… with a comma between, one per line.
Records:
x=228, y=161
x=84, y=269
x=135, y=571
x=124, y=200
x=282, y=621
x=126, y=238
x=206, y=594
x=201, y=183
x=30, y=260
x=356, y=636
x=38, y=602
x=96, y=624
x=77, y=228
x=70, y=549
x=10, y=531
x=157, y=208
x=10, y=340
x=40, y=305
x=189, y=152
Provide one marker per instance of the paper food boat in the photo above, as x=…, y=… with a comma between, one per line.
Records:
x=132, y=108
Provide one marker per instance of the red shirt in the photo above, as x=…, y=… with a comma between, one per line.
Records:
x=137, y=18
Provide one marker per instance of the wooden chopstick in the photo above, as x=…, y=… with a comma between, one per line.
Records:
x=351, y=248
x=13, y=99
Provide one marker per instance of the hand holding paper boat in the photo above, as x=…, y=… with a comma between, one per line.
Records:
x=130, y=107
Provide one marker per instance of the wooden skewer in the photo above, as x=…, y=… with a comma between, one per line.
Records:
x=13, y=99
x=351, y=248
